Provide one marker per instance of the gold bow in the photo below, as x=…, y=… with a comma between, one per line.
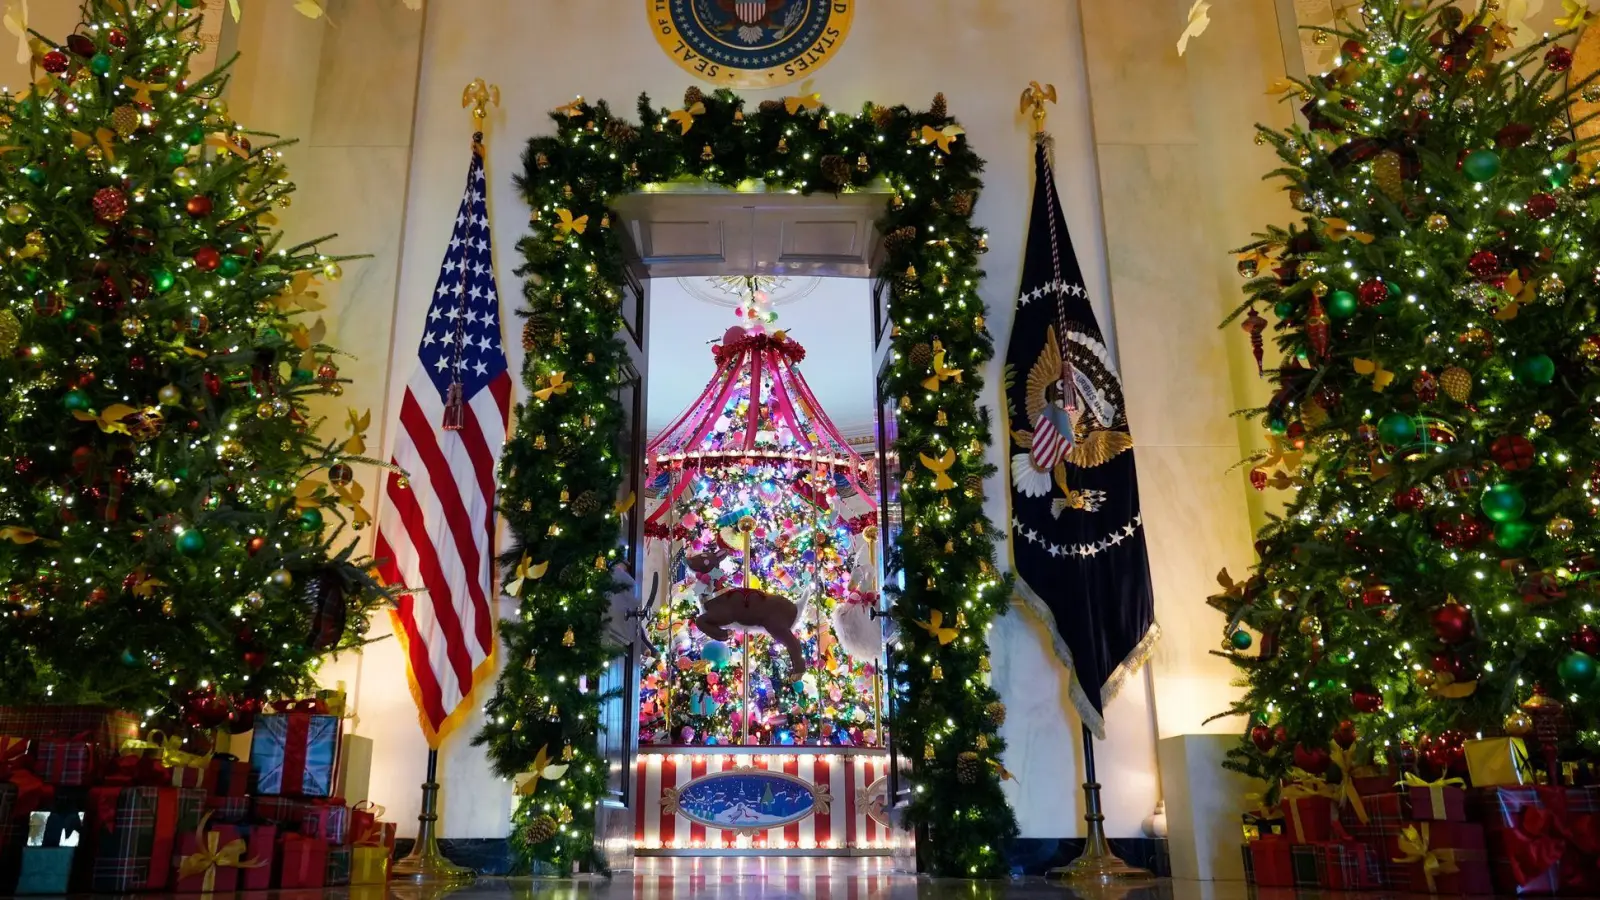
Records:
x=528, y=782
x=136, y=747
x=1435, y=789
x=173, y=756
x=526, y=570
x=1413, y=842
x=555, y=384
x=208, y=856
x=142, y=89
x=221, y=142
x=102, y=137
x=1339, y=229
x=21, y=534
x=568, y=224
x=1259, y=808
x=685, y=117
x=109, y=419
x=793, y=105
x=1380, y=376
x=1345, y=760
x=944, y=137
x=940, y=370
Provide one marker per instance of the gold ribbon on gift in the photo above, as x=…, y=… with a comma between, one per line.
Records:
x=1435, y=789
x=173, y=756
x=1304, y=785
x=1345, y=760
x=137, y=747
x=1413, y=842
x=209, y=856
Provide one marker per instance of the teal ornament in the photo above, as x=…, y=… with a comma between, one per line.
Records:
x=1397, y=55
x=163, y=280
x=1513, y=534
x=128, y=659
x=311, y=520
x=1481, y=165
x=1284, y=309
x=100, y=64
x=36, y=174
x=231, y=266
x=716, y=653
x=301, y=376
x=192, y=542
x=1577, y=670
x=1342, y=305
x=1503, y=502
x=1538, y=369
x=1396, y=428
x=1277, y=425
x=1241, y=640
x=75, y=401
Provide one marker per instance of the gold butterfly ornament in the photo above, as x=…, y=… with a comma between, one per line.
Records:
x=527, y=570
x=542, y=770
x=568, y=225
x=943, y=137
x=685, y=117
x=555, y=384
x=935, y=627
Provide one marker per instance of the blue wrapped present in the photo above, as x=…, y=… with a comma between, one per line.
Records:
x=46, y=864
x=295, y=753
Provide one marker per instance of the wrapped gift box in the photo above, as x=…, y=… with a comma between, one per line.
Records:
x=1269, y=860
x=327, y=819
x=1347, y=866
x=209, y=860
x=338, y=871
x=285, y=812
x=355, y=768
x=132, y=833
x=1374, y=779
x=231, y=810
x=261, y=845
x=227, y=776
x=1441, y=858
x=66, y=763
x=42, y=864
x=1308, y=819
x=302, y=862
x=1530, y=832
x=369, y=865
x=1249, y=864
x=295, y=754
x=1492, y=762
x=1303, y=863
x=1437, y=801
x=1386, y=815
x=103, y=727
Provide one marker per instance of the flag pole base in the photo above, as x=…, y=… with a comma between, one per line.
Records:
x=426, y=864
x=1097, y=865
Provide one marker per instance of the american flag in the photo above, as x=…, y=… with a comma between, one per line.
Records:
x=1052, y=438
x=435, y=533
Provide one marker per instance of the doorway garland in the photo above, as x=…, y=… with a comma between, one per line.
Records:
x=562, y=468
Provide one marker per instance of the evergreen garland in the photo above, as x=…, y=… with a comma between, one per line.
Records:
x=547, y=698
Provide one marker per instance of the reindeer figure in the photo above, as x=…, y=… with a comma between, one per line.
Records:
x=754, y=610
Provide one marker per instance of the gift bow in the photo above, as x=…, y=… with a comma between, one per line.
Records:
x=102, y=137
x=312, y=705
x=374, y=835
x=209, y=856
x=142, y=89
x=175, y=757
x=1413, y=842
x=1345, y=760
x=16, y=767
x=1435, y=789
x=1259, y=809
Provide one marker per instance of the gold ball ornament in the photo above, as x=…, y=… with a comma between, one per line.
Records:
x=1438, y=223
x=1552, y=289
x=165, y=487
x=1542, y=420
x=332, y=271
x=255, y=600
x=1350, y=586
x=1414, y=9
x=1309, y=625
x=182, y=177
x=1560, y=527
x=230, y=449
x=1427, y=678
x=132, y=327
x=281, y=579
x=1306, y=269
x=169, y=395
x=18, y=214
x=1518, y=724
x=747, y=524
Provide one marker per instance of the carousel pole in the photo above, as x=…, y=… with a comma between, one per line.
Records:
x=672, y=484
x=746, y=526
x=871, y=534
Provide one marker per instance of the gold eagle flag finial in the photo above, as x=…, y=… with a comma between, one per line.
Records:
x=1034, y=98
x=480, y=95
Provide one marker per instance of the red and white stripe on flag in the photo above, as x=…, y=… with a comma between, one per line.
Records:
x=1052, y=438
x=436, y=526
x=751, y=11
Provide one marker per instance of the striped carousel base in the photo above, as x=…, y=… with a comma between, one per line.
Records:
x=789, y=801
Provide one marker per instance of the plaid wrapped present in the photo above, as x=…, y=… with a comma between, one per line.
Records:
x=209, y=860
x=1444, y=800
x=1307, y=817
x=1541, y=840
x=1374, y=779
x=285, y=812
x=302, y=862
x=327, y=819
x=229, y=810
x=1386, y=814
x=338, y=870
x=1442, y=858
x=1347, y=866
x=227, y=776
x=103, y=727
x=295, y=753
x=66, y=763
x=1303, y=864
x=132, y=833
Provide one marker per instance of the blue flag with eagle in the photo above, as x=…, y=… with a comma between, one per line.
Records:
x=1077, y=536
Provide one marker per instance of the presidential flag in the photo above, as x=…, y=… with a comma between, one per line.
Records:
x=435, y=533
x=1077, y=537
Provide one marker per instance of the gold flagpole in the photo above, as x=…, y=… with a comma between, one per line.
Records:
x=746, y=525
x=427, y=865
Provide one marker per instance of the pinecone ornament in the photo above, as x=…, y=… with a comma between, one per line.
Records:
x=1386, y=175
x=899, y=238
x=586, y=504
x=921, y=356
x=836, y=169
x=940, y=109
x=961, y=203
x=539, y=829
x=692, y=96
x=883, y=117
x=973, y=485
x=535, y=330
x=126, y=120
x=322, y=594
x=568, y=452
x=620, y=132
x=996, y=712
x=572, y=574
x=771, y=106
x=1457, y=383
x=968, y=767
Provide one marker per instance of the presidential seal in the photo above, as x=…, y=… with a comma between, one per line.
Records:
x=751, y=43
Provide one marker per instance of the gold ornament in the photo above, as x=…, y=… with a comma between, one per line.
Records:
x=568, y=639
x=169, y=395
x=783, y=145
x=1309, y=625
x=938, y=672
x=1552, y=289
x=10, y=331
x=1426, y=678
x=707, y=154
x=1306, y=268
x=1560, y=527
x=862, y=164
x=1438, y=223
x=1456, y=383
x=1350, y=586
x=1386, y=172
x=1541, y=420
x=1518, y=723
x=282, y=579
x=927, y=753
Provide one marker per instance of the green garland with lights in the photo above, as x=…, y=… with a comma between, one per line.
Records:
x=163, y=492
x=1436, y=308
x=563, y=467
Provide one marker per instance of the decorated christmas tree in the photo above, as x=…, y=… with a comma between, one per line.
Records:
x=166, y=508
x=1435, y=411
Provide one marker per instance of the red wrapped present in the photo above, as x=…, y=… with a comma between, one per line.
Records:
x=1303, y=860
x=261, y=843
x=227, y=776
x=209, y=859
x=66, y=763
x=1374, y=779
x=1542, y=840
x=132, y=832
x=1271, y=862
x=1386, y=815
x=302, y=861
x=1308, y=810
x=327, y=819
x=103, y=727
x=1443, y=858
x=232, y=810
x=1347, y=866
x=1444, y=800
x=284, y=812
x=364, y=822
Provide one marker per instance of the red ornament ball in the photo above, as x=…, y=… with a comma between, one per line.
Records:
x=1366, y=700
x=254, y=545
x=1372, y=292
x=137, y=363
x=1280, y=734
x=1314, y=760
x=81, y=45
x=1542, y=205
x=242, y=715
x=117, y=38
x=1483, y=264
x=109, y=204
x=1512, y=452
x=1558, y=59
x=1425, y=386
x=1452, y=623
x=1586, y=640
x=1345, y=734
x=255, y=659
x=199, y=206
x=22, y=465
x=54, y=62
x=1263, y=738
x=1411, y=499
x=204, y=709
x=206, y=259
x=1377, y=595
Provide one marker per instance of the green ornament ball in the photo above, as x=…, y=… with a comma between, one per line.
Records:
x=1513, y=534
x=128, y=659
x=1277, y=425
x=162, y=280
x=1560, y=173
x=100, y=64
x=192, y=542
x=1241, y=640
x=68, y=313
x=187, y=4
x=1397, y=55
x=1396, y=428
x=1577, y=670
x=1342, y=305
x=76, y=401
x=1538, y=369
x=301, y=376
x=195, y=135
x=1481, y=165
x=311, y=520
x=231, y=266
x=176, y=156
x=1284, y=309
x=1503, y=502
x=36, y=174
